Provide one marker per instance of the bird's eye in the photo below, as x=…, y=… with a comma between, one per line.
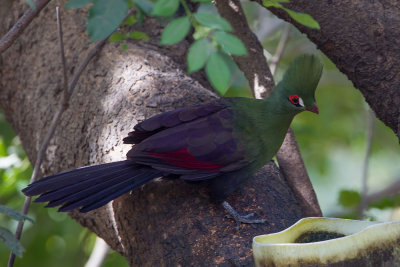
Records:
x=294, y=99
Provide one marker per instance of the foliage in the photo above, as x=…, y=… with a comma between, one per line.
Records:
x=11, y=241
x=6, y=236
x=176, y=31
x=386, y=202
x=14, y=214
x=211, y=30
x=299, y=17
x=349, y=198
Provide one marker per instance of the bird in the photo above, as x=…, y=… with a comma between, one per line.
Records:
x=223, y=142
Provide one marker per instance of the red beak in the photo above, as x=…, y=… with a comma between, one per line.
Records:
x=314, y=109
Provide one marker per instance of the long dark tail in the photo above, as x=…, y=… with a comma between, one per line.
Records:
x=90, y=187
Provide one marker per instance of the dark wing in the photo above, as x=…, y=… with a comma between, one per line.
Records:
x=171, y=119
x=196, y=142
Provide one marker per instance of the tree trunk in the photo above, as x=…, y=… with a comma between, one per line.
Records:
x=166, y=222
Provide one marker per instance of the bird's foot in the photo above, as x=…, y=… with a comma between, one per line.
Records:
x=240, y=218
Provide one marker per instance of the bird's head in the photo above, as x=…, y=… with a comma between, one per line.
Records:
x=297, y=88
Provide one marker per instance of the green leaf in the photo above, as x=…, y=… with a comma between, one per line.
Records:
x=218, y=72
x=303, y=18
x=104, y=17
x=165, y=8
x=230, y=43
x=274, y=3
x=30, y=3
x=383, y=203
x=197, y=55
x=145, y=5
x=117, y=37
x=124, y=47
x=386, y=202
x=175, y=31
x=213, y=21
x=349, y=198
x=77, y=3
x=11, y=242
x=136, y=35
x=130, y=20
x=14, y=214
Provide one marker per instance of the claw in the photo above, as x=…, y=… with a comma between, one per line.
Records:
x=240, y=218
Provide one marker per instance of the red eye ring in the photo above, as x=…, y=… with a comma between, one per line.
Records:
x=294, y=99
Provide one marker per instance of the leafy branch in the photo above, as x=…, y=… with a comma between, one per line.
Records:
x=6, y=236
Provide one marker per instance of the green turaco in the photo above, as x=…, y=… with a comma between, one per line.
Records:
x=223, y=142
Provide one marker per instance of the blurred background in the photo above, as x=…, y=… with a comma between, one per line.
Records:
x=333, y=145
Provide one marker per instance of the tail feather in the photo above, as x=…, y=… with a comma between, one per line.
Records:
x=90, y=187
x=71, y=177
x=78, y=191
x=101, y=198
x=62, y=190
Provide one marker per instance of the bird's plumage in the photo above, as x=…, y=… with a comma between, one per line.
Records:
x=223, y=141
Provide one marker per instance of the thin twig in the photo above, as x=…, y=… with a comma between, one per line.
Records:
x=47, y=138
x=364, y=178
x=63, y=61
x=274, y=62
x=53, y=125
x=9, y=38
x=389, y=191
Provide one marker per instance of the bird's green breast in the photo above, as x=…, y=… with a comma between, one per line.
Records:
x=258, y=130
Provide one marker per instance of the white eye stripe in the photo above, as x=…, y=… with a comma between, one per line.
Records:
x=301, y=103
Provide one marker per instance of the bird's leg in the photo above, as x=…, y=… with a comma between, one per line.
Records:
x=240, y=218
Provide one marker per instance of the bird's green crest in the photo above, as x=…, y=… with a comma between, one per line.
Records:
x=302, y=78
x=299, y=83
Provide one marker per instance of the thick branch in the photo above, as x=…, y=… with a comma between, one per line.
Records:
x=292, y=166
x=362, y=39
x=254, y=66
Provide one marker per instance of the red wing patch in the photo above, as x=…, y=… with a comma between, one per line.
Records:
x=182, y=158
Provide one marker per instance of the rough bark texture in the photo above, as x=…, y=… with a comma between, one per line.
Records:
x=164, y=223
x=363, y=39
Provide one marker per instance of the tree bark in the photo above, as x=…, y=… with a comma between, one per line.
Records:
x=166, y=222
x=363, y=39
